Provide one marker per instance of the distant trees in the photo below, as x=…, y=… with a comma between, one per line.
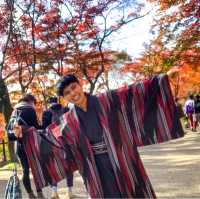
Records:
x=175, y=44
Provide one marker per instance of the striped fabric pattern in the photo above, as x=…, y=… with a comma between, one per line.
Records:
x=47, y=160
x=138, y=115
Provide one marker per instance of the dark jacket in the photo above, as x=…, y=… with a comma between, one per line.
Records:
x=24, y=114
x=197, y=106
x=53, y=112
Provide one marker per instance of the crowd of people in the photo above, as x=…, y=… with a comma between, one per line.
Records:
x=102, y=133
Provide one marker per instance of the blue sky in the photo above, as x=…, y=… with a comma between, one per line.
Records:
x=132, y=36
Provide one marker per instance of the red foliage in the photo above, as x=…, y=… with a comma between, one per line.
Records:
x=63, y=36
x=176, y=44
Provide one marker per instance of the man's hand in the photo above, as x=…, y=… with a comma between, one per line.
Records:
x=172, y=72
x=17, y=130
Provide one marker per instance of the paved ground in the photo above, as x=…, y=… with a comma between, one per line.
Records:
x=173, y=168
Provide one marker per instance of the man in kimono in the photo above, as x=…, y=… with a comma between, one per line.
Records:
x=104, y=131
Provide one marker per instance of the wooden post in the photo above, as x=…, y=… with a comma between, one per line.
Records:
x=4, y=150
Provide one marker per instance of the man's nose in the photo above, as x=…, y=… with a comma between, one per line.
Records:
x=72, y=94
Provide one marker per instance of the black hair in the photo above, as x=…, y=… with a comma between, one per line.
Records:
x=28, y=98
x=191, y=96
x=52, y=100
x=64, y=82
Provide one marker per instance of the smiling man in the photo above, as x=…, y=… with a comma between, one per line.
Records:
x=104, y=131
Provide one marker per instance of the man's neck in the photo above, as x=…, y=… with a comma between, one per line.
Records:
x=83, y=104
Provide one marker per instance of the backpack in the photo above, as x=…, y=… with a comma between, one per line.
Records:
x=13, y=189
x=189, y=108
x=15, y=117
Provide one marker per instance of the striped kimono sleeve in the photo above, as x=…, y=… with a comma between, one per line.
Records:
x=147, y=111
x=46, y=157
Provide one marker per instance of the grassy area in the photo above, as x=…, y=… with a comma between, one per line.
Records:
x=6, y=150
x=9, y=166
x=6, y=165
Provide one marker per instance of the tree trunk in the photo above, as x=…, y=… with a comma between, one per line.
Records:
x=6, y=109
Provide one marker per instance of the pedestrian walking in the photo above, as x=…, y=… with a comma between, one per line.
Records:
x=197, y=110
x=189, y=111
x=24, y=114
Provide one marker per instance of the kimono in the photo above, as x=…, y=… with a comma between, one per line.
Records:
x=133, y=116
x=46, y=157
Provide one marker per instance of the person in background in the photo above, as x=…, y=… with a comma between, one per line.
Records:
x=49, y=116
x=24, y=114
x=197, y=109
x=54, y=111
x=189, y=111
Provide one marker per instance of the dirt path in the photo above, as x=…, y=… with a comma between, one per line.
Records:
x=173, y=168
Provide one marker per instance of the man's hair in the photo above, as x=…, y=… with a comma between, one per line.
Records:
x=64, y=82
x=28, y=98
x=52, y=100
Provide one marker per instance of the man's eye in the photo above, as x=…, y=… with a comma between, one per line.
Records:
x=66, y=93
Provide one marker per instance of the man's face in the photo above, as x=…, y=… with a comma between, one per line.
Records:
x=74, y=93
